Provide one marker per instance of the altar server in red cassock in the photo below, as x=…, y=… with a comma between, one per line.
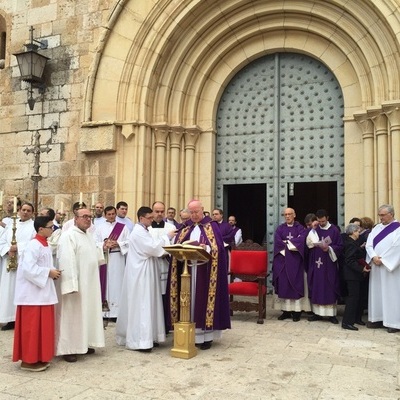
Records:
x=35, y=296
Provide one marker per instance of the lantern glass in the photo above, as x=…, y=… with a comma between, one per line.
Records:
x=31, y=65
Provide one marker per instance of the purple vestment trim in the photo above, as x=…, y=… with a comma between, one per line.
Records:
x=384, y=232
x=114, y=235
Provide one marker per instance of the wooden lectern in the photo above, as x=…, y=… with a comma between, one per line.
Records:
x=184, y=330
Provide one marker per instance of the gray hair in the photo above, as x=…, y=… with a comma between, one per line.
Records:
x=388, y=207
x=351, y=228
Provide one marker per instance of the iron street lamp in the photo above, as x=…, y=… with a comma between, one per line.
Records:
x=31, y=65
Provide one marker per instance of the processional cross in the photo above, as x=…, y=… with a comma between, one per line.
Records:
x=36, y=149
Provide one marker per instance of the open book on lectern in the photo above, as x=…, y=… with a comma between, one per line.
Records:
x=189, y=250
x=188, y=244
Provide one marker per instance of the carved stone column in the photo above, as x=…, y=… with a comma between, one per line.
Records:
x=161, y=136
x=393, y=113
x=368, y=163
x=382, y=160
x=191, y=136
x=175, y=138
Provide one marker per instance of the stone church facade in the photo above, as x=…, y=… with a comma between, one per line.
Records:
x=137, y=88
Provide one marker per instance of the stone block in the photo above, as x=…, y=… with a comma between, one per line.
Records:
x=98, y=138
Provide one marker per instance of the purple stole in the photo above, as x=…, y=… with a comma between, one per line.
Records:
x=114, y=235
x=384, y=232
x=116, y=232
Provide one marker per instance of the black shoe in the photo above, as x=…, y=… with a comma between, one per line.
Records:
x=374, y=325
x=90, y=351
x=285, y=315
x=8, y=326
x=296, y=316
x=206, y=345
x=360, y=322
x=156, y=344
x=349, y=327
x=314, y=317
x=334, y=320
x=393, y=330
x=145, y=350
x=70, y=358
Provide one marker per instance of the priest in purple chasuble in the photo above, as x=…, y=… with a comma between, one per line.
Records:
x=383, y=254
x=325, y=244
x=209, y=283
x=289, y=278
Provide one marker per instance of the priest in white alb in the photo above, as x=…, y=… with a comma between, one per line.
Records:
x=113, y=237
x=24, y=233
x=383, y=254
x=140, y=324
x=79, y=319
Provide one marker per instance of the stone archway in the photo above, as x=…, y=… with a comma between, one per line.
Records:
x=174, y=61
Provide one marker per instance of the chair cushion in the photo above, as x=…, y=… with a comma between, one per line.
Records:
x=245, y=289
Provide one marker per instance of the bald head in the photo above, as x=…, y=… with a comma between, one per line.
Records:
x=196, y=209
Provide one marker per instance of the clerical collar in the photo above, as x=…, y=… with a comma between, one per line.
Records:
x=290, y=225
x=155, y=224
x=327, y=226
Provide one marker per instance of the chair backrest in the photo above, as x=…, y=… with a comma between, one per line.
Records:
x=249, y=262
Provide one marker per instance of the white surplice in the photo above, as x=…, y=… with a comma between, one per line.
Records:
x=141, y=315
x=162, y=262
x=115, y=265
x=79, y=319
x=24, y=233
x=384, y=280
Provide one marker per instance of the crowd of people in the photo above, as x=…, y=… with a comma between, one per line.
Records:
x=315, y=266
x=76, y=276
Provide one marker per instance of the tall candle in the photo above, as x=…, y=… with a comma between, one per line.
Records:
x=15, y=204
x=80, y=198
x=92, y=199
x=1, y=197
x=62, y=208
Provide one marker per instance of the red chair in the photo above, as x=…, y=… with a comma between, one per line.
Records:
x=251, y=268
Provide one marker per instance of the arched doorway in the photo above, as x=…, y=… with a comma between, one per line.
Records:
x=280, y=138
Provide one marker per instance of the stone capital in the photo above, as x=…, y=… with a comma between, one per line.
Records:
x=191, y=136
x=392, y=111
x=366, y=125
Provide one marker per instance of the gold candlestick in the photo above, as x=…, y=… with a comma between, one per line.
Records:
x=93, y=209
x=13, y=259
x=62, y=219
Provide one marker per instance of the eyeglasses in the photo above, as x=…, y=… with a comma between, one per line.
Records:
x=84, y=216
x=285, y=215
x=48, y=227
x=149, y=218
x=382, y=215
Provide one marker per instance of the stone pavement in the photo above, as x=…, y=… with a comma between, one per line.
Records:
x=277, y=360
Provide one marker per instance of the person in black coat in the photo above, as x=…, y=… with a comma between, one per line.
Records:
x=354, y=269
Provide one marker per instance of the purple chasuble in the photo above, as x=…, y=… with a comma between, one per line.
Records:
x=221, y=318
x=323, y=273
x=288, y=270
